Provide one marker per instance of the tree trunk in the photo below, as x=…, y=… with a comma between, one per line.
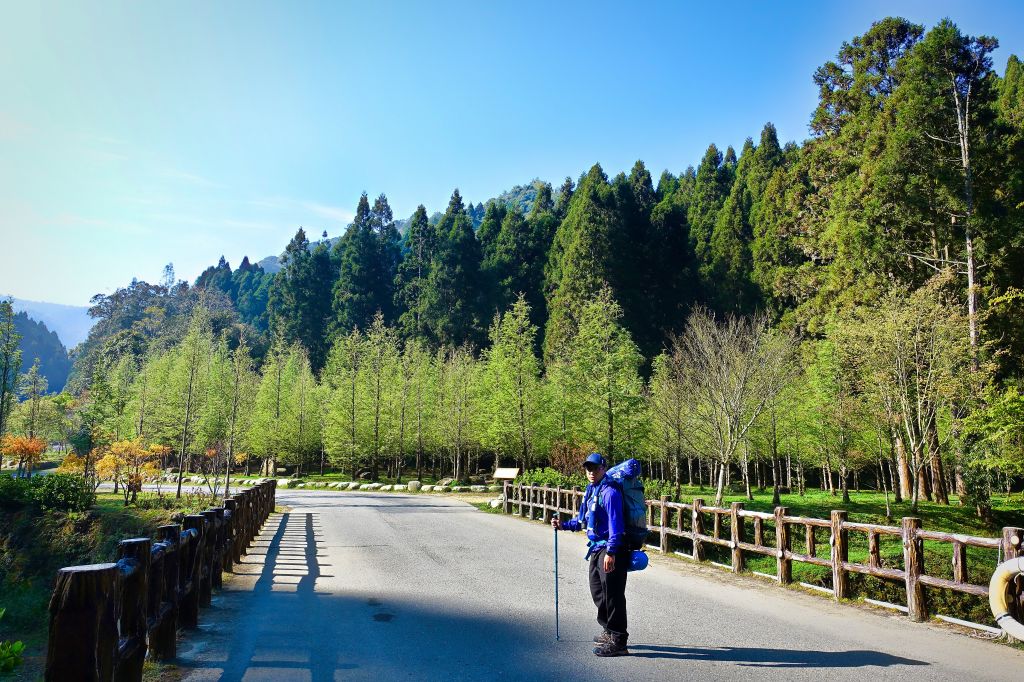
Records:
x=903, y=468
x=924, y=487
x=938, y=475
x=721, y=486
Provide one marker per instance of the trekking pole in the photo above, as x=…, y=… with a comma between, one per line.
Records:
x=556, y=584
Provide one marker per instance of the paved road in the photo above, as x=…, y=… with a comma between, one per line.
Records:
x=377, y=587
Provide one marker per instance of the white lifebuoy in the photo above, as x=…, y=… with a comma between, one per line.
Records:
x=998, y=597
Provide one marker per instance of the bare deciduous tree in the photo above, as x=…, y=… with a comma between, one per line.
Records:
x=730, y=370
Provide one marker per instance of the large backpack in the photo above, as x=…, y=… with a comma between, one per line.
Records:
x=626, y=477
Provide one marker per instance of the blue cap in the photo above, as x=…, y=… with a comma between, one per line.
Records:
x=594, y=458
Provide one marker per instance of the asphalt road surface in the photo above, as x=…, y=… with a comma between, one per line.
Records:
x=367, y=586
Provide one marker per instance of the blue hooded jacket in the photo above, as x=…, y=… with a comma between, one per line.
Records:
x=602, y=518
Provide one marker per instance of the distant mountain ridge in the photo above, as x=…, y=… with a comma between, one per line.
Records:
x=39, y=343
x=71, y=323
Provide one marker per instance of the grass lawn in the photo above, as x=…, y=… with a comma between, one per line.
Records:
x=869, y=507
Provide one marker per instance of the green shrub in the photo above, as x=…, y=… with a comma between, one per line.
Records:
x=15, y=492
x=550, y=477
x=63, y=492
x=10, y=653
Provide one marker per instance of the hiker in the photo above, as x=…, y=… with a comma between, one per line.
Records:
x=601, y=514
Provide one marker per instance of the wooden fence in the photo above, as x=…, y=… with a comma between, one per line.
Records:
x=105, y=617
x=689, y=521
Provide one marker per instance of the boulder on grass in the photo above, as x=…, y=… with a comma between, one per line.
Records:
x=355, y=485
x=414, y=486
x=399, y=486
x=494, y=488
x=444, y=482
x=426, y=488
x=495, y=504
x=478, y=488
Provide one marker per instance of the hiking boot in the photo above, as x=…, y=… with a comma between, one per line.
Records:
x=612, y=648
x=604, y=638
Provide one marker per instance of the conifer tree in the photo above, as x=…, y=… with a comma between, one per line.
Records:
x=368, y=256
x=413, y=272
x=512, y=381
x=188, y=382
x=565, y=193
x=301, y=297
x=342, y=378
x=731, y=260
x=603, y=375
x=380, y=374
x=10, y=363
x=709, y=193
x=585, y=264
x=452, y=295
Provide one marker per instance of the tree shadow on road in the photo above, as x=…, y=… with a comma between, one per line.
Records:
x=759, y=657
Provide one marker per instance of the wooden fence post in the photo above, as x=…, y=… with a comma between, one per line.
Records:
x=545, y=508
x=507, y=497
x=83, y=624
x=192, y=568
x=216, y=545
x=206, y=558
x=133, y=562
x=558, y=503
x=698, y=529
x=163, y=640
x=1013, y=547
x=663, y=539
x=229, y=534
x=522, y=500
x=736, y=523
x=783, y=565
x=840, y=554
x=913, y=565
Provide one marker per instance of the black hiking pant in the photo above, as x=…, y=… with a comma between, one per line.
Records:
x=609, y=593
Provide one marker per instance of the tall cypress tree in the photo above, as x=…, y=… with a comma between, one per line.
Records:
x=452, y=295
x=368, y=256
x=412, y=274
x=300, y=297
x=672, y=263
x=581, y=258
x=731, y=261
x=354, y=300
x=709, y=193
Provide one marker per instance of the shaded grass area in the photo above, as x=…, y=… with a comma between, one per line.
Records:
x=35, y=544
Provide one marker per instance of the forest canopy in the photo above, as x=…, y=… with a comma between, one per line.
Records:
x=868, y=281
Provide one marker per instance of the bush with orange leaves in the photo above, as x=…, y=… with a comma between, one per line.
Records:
x=128, y=463
x=72, y=464
x=25, y=450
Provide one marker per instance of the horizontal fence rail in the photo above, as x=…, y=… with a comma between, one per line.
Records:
x=104, y=618
x=746, y=535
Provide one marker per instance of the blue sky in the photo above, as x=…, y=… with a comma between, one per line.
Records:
x=135, y=134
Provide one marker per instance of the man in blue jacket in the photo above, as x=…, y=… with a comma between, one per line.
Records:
x=601, y=514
